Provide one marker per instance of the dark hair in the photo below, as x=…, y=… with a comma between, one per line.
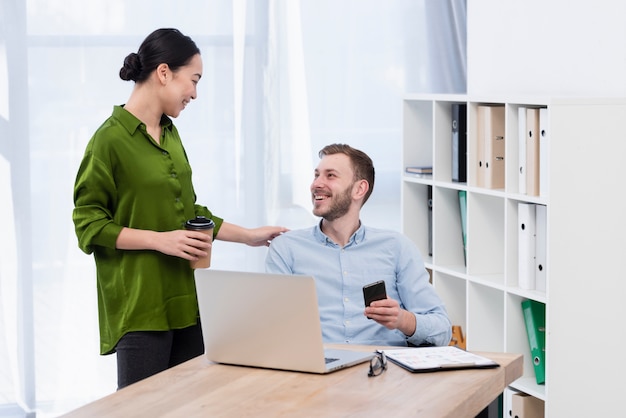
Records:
x=163, y=46
x=361, y=163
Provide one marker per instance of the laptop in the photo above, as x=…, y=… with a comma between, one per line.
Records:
x=266, y=320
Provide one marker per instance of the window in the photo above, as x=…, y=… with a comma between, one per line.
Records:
x=281, y=79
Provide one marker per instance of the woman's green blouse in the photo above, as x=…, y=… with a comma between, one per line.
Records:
x=126, y=179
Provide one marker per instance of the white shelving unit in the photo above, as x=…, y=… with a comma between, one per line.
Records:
x=483, y=296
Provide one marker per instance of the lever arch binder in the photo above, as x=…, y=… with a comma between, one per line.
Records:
x=521, y=154
x=430, y=220
x=532, y=151
x=526, y=230
x=463, y=211
x=541, y=256
x=459, y=142
x=491, y=147
x=544, y=144
x=535, y=320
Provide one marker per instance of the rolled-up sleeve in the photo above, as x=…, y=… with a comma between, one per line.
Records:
x=419, y=297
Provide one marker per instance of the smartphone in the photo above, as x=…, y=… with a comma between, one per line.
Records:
x=374, y=291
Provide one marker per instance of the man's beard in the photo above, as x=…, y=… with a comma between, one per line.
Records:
x=339, y=207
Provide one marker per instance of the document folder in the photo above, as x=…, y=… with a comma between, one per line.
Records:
x=430, y=220
x=478, y=160
x=535, y=320
x=526, y=230
x=544, y=146
x=463, y=211
x=527, y=406
x=541, y=257
x=491, y=134
x=433, y=359
x=459, y=142
x=521, y=154
x=532, y=152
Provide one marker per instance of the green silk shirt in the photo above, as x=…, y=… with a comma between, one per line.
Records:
x=126, y=179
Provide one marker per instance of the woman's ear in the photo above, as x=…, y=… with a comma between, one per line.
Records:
x=163, y=73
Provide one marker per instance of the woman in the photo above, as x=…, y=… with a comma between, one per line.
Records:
x=132, y=196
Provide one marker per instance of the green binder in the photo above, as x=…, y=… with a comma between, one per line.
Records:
x=535, y=320
x=463, y=210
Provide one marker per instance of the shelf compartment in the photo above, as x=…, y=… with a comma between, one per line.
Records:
x=517, y=342
x=485, y=237
x=452, y=291
x=513, y=252
x=448, y=237
x=417, y=133
x=485, y=328
x=415, y=222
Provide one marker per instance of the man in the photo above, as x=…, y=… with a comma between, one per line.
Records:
x=343, y=255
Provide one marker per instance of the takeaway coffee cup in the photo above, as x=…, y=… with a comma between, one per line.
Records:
x=201, y=224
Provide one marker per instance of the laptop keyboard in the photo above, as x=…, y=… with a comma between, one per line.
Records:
x=330, y=359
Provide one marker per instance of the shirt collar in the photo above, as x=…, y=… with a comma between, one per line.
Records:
x=355, y=239
x=131, y=123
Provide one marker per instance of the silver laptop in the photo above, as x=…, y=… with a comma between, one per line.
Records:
x=266, y=320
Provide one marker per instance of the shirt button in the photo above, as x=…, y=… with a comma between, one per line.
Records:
x=164, y=152
x=346, y=299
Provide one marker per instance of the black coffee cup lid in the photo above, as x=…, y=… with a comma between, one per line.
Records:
x=200, y=223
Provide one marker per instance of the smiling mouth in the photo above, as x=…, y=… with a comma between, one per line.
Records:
x=319, y=197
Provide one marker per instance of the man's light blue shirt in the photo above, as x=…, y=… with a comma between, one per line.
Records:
x=340, y=274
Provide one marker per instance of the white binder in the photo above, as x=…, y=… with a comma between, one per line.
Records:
x=541, y=213
x=521, y=155
x=544, y=145
x=526, y=226
x=532, y=151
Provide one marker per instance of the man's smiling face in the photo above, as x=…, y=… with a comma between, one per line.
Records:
x=332, y=187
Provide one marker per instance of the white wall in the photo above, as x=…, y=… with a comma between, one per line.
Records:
x=546, y=47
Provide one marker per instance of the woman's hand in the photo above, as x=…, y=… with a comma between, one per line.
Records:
x=254, y=237
x=182, y=243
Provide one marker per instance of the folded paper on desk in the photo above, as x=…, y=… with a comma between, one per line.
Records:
x=433, y=359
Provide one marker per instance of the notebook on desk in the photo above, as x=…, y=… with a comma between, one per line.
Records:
x=432, y=359
x=266, y=320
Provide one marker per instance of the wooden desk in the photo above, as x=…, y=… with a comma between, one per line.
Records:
x=200, y=388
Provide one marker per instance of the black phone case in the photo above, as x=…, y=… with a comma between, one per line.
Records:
x=374, y=291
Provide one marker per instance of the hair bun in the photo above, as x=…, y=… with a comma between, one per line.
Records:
x=131, y=68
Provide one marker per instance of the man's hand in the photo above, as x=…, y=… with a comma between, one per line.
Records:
x=387, y=312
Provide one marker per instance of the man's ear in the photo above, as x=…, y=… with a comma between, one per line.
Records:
x=360, y=188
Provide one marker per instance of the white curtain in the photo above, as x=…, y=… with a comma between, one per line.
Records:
x=282, y=78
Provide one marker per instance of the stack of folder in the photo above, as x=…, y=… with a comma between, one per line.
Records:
x=419, y=170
